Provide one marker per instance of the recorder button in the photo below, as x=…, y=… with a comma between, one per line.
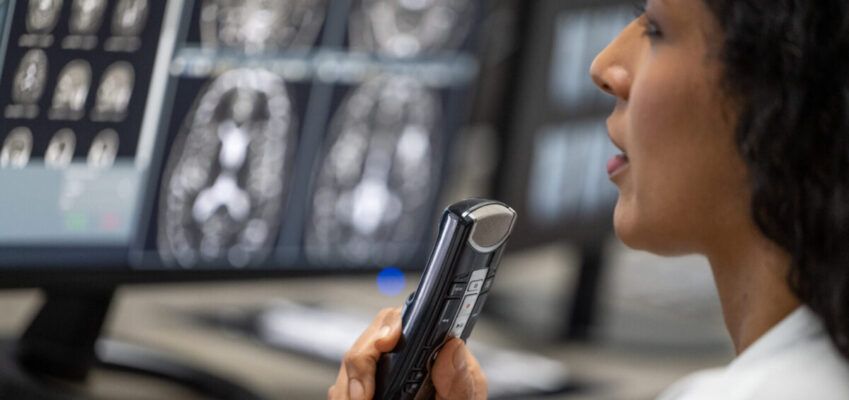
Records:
x=457, y=290
x=468, y=305
x=447, y=316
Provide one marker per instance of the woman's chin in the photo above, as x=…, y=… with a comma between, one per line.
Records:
x=646, y=236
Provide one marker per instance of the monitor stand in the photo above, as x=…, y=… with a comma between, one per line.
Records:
x=56, y=353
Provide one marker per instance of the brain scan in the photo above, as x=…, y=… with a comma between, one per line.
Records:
x=224, y=186
x=104, y=149
x=42, y=15
x=407, y=28
x=378, y=176
x=86, y=16
x=261, y=25
x=60, y=150
x=30, y=78
x=129, y=18
x=116, y=88
x=17, y=149
x=72, y=88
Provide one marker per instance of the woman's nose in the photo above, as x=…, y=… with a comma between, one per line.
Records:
x=610, y=75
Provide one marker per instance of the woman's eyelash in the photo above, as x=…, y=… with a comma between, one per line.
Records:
x=650, y=28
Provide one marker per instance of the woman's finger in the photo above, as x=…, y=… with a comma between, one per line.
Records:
x=360, y=362
x=457, y=375
x=339, y=390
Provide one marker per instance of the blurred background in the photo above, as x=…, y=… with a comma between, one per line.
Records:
x=242, y=184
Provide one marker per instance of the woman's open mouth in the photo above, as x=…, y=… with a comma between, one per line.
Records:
x=616, y=164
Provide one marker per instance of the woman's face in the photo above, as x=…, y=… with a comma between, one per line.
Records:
x=682, y=184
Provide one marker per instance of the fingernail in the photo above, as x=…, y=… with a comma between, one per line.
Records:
x=384, y=332
x=459, y=359
x=356, y=390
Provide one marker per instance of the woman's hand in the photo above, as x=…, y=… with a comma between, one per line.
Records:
x=456, y=374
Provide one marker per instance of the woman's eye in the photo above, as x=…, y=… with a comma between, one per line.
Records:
x=650, y=28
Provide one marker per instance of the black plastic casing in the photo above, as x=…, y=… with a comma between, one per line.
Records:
x=432, y=313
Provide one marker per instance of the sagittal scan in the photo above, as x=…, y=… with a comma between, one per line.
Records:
x=129, y=17
x=256, y=26
x=224, y=185
x=17, y=149
x=72, y=88
x=407, y=28
x=104, y=149
x=86, y=16
x=60, y=150
x=378, y=175
x=30, y=78
x=42, y=15
x=115, y=90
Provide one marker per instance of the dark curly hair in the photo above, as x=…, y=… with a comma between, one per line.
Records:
x=786, y=62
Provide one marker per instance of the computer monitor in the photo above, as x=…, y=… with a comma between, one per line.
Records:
x=556, y=147
x=148, y=140
x=153, y=141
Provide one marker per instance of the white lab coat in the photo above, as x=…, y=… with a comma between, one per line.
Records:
x=795, y=360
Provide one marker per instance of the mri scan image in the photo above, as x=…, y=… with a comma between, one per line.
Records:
x=42, y=15
x=261, y=25
x=86, y=16
x=72, y=87
x=374, y=186
x=224, y=186
x=104, y=149
x=115, y=90
x=60, y=150
x=407, y=28
x=129, y=17
x=17, y=149
x=30, y=78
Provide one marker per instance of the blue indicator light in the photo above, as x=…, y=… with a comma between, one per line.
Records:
x=391, y=281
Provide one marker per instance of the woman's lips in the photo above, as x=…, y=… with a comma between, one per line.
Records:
x=616, y=164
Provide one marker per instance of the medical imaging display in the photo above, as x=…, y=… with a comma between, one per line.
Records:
x=16, y=149
x=224, y=185
x=71, y=92
x=42, y=15
x=30, y=78
x=129, y=17
x=557, y=179
x=60, y=150
x=86, y=16
x=256, y=26
x=230, y=134
x=114, y=92
x=408, y=28
x=378, y=174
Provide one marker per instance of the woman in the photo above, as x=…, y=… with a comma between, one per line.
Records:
x=733, y=121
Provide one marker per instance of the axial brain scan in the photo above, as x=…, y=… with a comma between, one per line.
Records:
x=30, y=78
x=116, y=88
x=86, y=16
x=42, y=15
x=406, y=28
x=224, y=185
x=261, y=25
x=377, y=175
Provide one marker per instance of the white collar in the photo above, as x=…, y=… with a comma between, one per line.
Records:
x=802, y=323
